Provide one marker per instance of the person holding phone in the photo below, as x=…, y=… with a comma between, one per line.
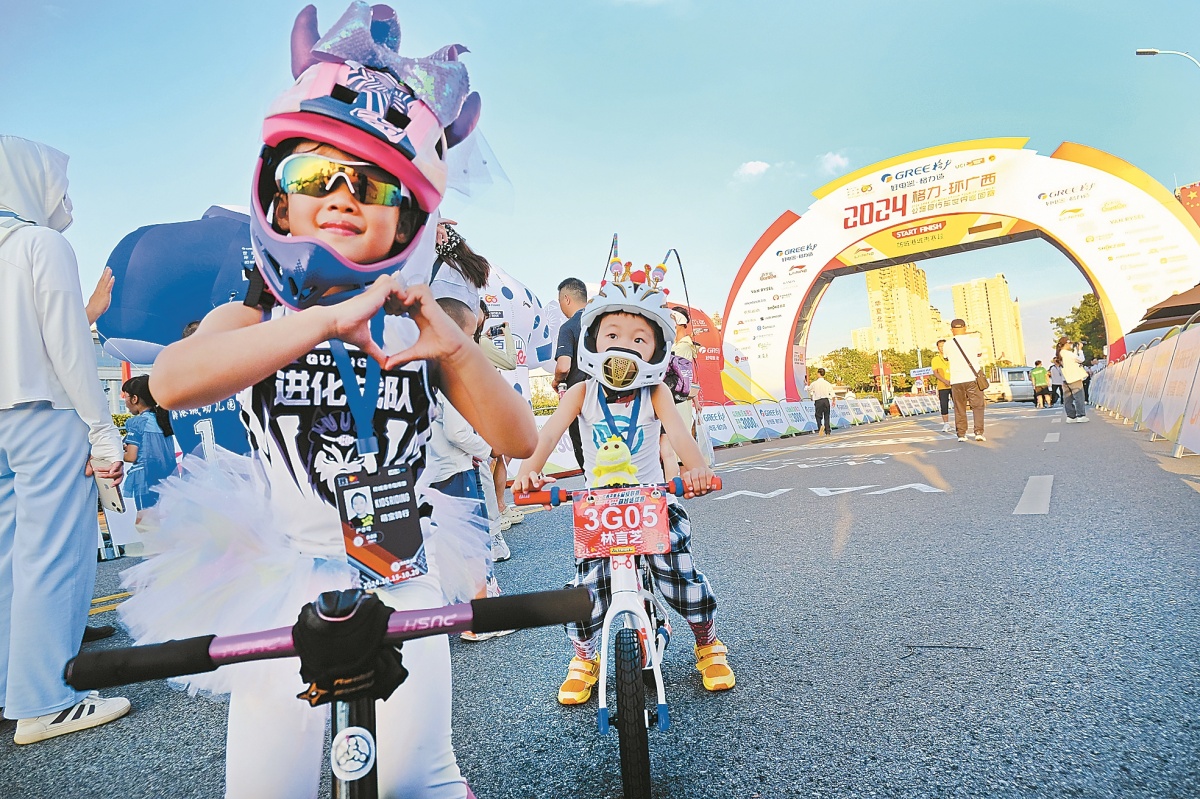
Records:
x=55, y=434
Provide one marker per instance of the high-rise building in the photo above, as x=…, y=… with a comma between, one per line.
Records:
x=863, y=339
x=898, y=299
x=987, y=308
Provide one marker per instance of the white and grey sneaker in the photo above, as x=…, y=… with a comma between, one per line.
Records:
x=962, y=438
x=500, y=550
x=1081, y=419
x=980, y=438
x=946, y=428
x=91, y=712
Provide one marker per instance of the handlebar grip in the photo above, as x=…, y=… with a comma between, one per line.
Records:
x=675, y=485
x=532, y=498
x=540, y=609
x=109, y=667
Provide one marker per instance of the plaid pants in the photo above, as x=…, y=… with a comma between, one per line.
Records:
x=683, y=587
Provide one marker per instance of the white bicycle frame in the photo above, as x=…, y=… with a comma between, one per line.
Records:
x=627, y=603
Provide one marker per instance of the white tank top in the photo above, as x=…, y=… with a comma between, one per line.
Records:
x=302, y=433
x=595, y=430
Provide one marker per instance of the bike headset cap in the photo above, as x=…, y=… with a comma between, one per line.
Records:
x=372, y=115
x=636, y=293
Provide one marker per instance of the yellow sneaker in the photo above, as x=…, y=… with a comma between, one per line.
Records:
x=581, y=676
x=714, y=667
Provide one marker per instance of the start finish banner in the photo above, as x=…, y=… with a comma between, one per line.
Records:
x=1130, y=237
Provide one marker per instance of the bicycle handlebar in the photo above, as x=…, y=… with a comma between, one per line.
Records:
x=111, y=667
x=555, y=496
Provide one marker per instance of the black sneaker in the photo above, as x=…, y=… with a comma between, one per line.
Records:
x=97, y=633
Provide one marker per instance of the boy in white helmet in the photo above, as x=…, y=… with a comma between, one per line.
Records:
x=625, y=346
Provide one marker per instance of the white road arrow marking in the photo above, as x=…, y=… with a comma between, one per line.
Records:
x=769, y=495
x=924, y=489
x=829, y=492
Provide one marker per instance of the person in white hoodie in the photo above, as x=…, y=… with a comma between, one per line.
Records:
x=54, y=420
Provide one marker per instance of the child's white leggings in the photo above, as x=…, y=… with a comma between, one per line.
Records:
x=275, y=741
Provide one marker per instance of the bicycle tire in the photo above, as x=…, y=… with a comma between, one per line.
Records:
x=633, y=739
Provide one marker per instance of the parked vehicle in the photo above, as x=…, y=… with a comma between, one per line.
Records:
x=1010, y=384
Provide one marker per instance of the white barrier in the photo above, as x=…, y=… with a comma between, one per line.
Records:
x=1154, y=388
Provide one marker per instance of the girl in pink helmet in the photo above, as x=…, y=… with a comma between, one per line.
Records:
x=334, y=358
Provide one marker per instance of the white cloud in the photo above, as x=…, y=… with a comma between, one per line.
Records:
x=832, y=163
x=751, y=169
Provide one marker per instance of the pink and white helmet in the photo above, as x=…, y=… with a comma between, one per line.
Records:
x=364, y=108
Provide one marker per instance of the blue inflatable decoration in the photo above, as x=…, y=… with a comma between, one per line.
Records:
x=172, y=274
x=167, y=276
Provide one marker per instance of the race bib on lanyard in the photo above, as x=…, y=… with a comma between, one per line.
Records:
x=381, y=525
x=621, y=521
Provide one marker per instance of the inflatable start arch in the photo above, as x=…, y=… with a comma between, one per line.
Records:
x=1132, y=240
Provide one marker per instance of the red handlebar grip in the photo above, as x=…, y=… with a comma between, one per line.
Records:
x=532, y=498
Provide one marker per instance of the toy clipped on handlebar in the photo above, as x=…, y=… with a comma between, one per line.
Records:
x=343, y=655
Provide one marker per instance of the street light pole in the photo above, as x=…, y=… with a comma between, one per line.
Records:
x=1152, y=51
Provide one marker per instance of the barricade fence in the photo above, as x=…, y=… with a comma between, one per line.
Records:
x=1153, y=389
x=745, y=422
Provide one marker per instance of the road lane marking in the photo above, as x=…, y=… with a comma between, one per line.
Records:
x=1035, y=499
x=769, y=495
x=1051, y=438
x=1056, y=420
x=924, y=489
x=830, y=492
x=102, y=599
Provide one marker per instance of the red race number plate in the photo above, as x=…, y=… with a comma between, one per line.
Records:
x=621, y=521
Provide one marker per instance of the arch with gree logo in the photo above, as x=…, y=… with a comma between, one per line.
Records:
x=1133, y=241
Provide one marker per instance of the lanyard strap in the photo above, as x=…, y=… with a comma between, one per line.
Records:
x=612, y=423
x=362, y=403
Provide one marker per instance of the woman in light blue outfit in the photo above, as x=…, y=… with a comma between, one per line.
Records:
x=148, y=445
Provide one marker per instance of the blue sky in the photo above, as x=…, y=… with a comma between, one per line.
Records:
x=629, y=116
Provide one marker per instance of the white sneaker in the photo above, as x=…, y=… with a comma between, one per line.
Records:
x=962, y=438
x=477, y=637
x=1071, y=421
x=91, y=712
x=980, y=438
x=1081, y=419
x=500, y=550
x=513, y=515
x=946, y=428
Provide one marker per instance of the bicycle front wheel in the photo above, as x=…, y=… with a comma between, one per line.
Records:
x=632, y=738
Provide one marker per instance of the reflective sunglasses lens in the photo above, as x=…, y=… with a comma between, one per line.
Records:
x=315, y=176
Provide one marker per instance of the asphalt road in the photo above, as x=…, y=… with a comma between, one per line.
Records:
x=895, y=629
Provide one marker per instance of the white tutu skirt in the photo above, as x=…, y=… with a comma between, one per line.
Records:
x=217, y=564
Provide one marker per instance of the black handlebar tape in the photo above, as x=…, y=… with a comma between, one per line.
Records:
x=110, y=667
x=540, y=609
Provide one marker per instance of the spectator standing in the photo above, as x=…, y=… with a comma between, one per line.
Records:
x=1041, y=384
x=572, y=296
x=965, y=356
x=1073, y=375
x=681, y=373
x=821, y=391
x=53, y=420
x=1056, y=381
x=941, y=374
x=148, y=448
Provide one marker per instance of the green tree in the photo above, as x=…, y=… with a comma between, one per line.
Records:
x=1085, y=323
x=848, y=367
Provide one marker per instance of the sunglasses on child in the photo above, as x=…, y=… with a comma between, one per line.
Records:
x=317, y=175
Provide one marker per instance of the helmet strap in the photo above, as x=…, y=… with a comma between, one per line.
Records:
x=362, y=403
